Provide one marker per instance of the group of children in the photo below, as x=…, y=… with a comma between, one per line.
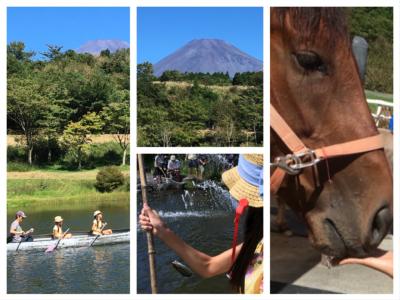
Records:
x=97, y=226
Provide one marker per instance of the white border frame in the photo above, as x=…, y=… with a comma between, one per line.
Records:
x=134, y=150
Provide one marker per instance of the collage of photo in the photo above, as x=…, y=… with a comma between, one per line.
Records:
x=218, y=92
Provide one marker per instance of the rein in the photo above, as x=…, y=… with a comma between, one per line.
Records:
x=302, y=157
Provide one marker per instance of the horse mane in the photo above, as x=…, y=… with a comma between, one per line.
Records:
x=310, y=22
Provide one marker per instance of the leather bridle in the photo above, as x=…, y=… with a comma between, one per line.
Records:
x=303, y=157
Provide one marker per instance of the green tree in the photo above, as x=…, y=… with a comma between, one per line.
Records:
x=25, y=107
x=145, y=72
x=116, y=119
x=53, y=52
x=76, y=137
x=18, y=59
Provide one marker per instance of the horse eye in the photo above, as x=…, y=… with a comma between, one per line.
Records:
x=310, y=62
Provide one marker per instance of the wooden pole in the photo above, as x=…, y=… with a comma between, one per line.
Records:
x=150, y=242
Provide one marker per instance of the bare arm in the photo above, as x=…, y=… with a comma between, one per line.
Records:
x=14, y=231
x=199, y=262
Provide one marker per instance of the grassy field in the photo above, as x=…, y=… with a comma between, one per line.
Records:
x=378, y=95
x=40, y=186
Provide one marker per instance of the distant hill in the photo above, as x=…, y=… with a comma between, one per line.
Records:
x=208, y=55
x=96, y=46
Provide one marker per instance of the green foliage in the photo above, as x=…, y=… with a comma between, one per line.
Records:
x=217, y=78
x=117, y=121
x=16, y=154
x=204, y=112
x=76, y=136
x=375, y=24
x=108, y=179
x=19, y=167
x=18, y=60
x=104, y=154
x=46, y=96
x=248, y=78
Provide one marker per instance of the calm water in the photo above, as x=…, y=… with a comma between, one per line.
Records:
x=204, y=219
x=103, y=269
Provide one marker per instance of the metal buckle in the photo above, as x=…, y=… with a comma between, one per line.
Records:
x=294, y=163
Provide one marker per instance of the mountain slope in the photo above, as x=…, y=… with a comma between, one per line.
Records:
x=208, y=55
x=96, y=46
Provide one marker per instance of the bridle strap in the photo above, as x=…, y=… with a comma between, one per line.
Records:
x=367, y=144
x=286, y=134
x=296, y=146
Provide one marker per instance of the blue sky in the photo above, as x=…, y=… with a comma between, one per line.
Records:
x=162, y=30
x=66, y=26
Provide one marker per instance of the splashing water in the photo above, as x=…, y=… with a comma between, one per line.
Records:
x=208, y=200
x=184, y=202
x=219, y=161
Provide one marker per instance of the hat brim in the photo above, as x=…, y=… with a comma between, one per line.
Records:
x=240, y=188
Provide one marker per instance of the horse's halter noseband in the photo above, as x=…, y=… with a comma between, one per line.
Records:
x=302, y=157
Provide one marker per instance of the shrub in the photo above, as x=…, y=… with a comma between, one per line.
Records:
x=18, y=167
x=69, y=161
x=16, y=154
x=98, y=155
x=108, y=179
x=104, y=155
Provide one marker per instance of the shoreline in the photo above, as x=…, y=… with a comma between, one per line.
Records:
x=44, y=187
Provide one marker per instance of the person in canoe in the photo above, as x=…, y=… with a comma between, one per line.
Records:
x=58, y=232
x=17, y=235
x=98, y=224
x=243, y=263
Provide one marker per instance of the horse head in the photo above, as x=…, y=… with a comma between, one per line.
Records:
x=315, y=86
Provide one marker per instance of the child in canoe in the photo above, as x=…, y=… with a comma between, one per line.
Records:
x=98, y=224
x=58, y=232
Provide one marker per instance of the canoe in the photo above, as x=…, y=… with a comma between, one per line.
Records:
x=41, y=244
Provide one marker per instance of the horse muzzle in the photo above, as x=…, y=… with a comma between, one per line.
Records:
x=335, y=237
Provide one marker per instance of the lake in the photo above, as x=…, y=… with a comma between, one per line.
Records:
x=102, y=269
x=204, y=219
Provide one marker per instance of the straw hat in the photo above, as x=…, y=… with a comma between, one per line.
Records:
x=58, y=219
x=97, y=212
x=246, y=185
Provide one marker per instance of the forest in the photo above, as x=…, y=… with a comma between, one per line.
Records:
x=197, y=109
x=58, y=102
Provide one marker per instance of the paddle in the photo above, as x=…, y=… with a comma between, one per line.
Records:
x=51, y=248
x=150, y=242
x=97, y=236
x=26, y=233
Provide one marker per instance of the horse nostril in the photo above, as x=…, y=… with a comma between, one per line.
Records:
x=380, y=226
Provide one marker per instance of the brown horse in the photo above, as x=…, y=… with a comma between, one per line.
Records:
x=316, y=88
